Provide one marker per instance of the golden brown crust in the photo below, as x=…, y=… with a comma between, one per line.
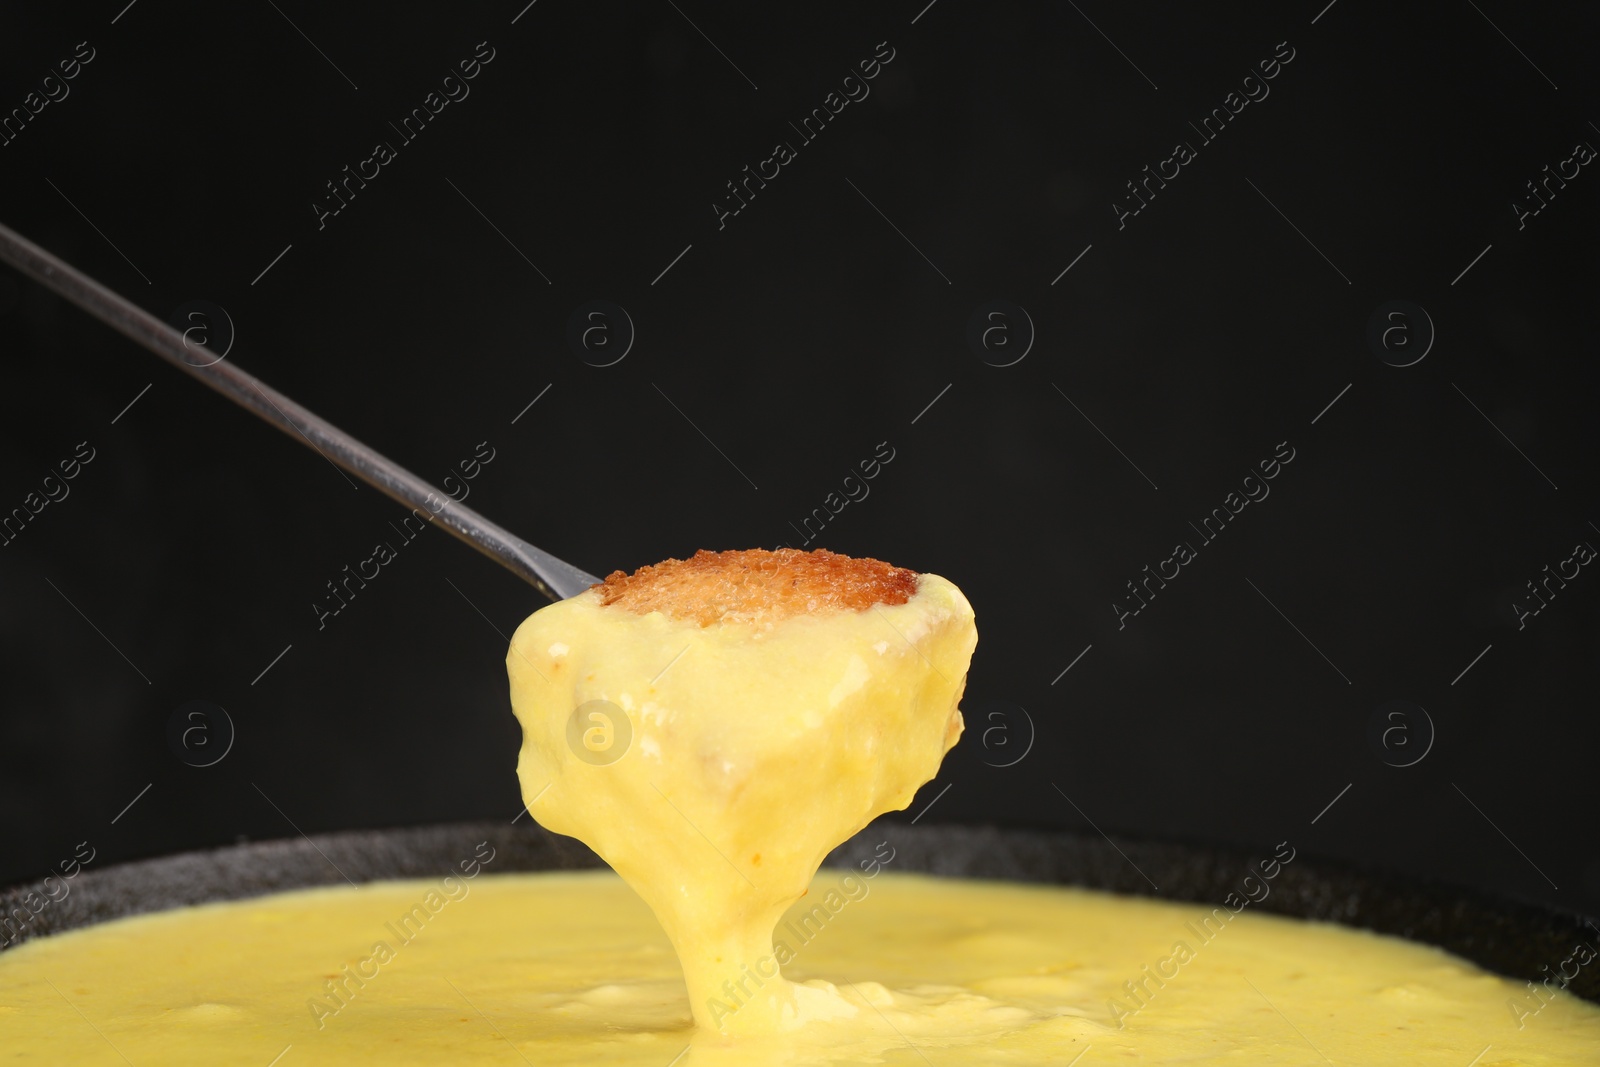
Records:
x=758, y=586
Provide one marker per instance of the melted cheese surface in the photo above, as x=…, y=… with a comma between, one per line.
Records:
x=713, y=767
x=573, y=969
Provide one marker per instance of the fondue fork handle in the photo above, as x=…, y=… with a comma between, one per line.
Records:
x=555, y=578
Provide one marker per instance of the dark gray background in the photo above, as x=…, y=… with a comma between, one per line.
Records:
x=1219, y=322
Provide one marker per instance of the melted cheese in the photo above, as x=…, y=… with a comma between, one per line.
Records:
x=573, y=969
x=714, y=766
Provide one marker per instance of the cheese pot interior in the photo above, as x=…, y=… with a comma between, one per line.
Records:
x=1511, y=938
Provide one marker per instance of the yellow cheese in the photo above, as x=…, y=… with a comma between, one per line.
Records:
x=712, y=734
x=714, y=766
x=573, y=969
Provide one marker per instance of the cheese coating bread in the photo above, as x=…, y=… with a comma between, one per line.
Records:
x=713, y=727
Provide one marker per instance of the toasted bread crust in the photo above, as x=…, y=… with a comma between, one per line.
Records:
x=758, y=586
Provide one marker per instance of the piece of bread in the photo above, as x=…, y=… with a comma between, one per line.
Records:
x=757, y=585
x=713, y=727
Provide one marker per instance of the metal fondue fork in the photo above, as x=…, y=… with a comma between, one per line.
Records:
x=555, y=578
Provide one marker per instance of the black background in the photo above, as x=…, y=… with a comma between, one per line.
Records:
x=820, y=321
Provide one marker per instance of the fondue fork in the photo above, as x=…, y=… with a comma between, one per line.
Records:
x=555, y=578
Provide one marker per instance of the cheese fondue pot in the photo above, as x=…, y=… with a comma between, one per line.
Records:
x=1518, y=940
